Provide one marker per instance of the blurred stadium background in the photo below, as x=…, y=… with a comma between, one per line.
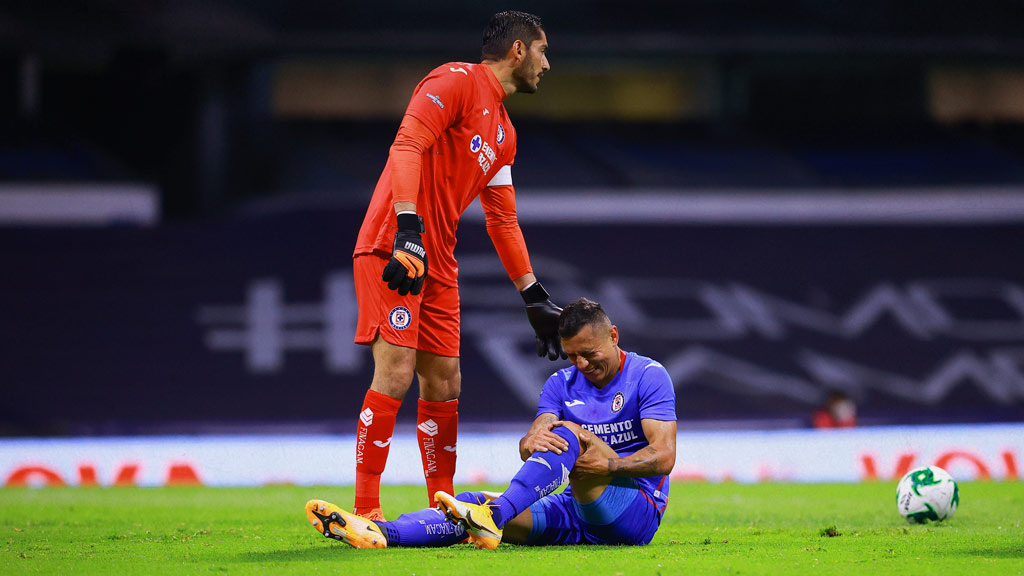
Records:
x=777, y=200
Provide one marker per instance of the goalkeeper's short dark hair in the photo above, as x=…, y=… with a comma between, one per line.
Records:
x=507, y=27
x=578, y=314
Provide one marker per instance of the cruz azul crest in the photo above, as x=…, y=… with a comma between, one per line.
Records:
x=618, y=401
x=400, y=317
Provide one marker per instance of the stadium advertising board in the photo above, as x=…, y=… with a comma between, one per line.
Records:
x=868, y=454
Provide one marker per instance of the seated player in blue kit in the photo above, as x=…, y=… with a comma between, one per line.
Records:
x=607, y=425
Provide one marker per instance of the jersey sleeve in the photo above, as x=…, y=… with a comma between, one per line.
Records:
x=499, y=204
x=551, y=396
x=657, y=395
x=440, y=99
x=413, y=139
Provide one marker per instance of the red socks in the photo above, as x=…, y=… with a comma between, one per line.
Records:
x=437, y=429
x=373, y=440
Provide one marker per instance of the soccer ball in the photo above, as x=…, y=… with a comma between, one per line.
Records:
x=928, y=493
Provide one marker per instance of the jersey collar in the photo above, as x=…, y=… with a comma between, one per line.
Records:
x=496, y=87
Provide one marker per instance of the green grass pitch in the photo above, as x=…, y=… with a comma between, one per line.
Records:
x=708, y=529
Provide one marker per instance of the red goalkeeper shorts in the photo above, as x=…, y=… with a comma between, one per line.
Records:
x=428, y=321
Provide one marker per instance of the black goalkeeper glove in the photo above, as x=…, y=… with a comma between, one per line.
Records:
x=543, y=316
x=407, y=268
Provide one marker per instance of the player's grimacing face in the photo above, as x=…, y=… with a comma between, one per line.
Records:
x=534, y=64
x=594, y=351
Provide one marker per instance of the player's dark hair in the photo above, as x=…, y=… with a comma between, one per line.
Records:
x=507, y=27
x=579, y=314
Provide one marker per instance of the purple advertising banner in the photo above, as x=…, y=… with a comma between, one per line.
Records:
x=249, y=321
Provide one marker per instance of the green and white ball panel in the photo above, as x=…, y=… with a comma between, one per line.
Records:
x=927, y=494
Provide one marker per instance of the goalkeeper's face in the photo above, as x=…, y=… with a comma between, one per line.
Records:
x=533, y=65
x=594, y=350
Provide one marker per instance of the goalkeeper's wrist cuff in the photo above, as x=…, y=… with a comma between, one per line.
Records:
x=534, y=293
x=410, y=222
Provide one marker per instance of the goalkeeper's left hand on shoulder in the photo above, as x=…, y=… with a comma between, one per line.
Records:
x=543, y=316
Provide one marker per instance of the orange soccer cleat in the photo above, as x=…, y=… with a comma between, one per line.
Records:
x=352, y=529
x=475, y=518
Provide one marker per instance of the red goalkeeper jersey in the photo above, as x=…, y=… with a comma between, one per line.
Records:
x=461, y=104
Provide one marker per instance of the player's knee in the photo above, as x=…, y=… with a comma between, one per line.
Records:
x=569, y=435
x=440, y=387
x=391, y=381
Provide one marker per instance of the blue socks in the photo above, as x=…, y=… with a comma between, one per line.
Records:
x=471, y=497
x=426, y=527
x=540, y=475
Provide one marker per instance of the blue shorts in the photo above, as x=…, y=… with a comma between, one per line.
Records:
x=622, y=515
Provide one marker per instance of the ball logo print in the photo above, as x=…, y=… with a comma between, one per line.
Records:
x=366, y=417
x=429, y=428
x=400, y=317
x=618, y=401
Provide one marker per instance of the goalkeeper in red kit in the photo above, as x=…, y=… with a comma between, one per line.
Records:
x=455, y=143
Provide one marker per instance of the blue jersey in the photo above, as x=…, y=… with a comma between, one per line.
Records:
x=642, y=389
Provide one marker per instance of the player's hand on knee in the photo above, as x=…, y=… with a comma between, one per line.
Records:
x=543, y=316
x=590, y=462
x=407, y=269
x=572, y=426
x=545, y=441
x=587, y=438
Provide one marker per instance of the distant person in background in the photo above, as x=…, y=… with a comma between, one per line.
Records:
x=839, y=411
x=455, y=143
x=607, y=425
